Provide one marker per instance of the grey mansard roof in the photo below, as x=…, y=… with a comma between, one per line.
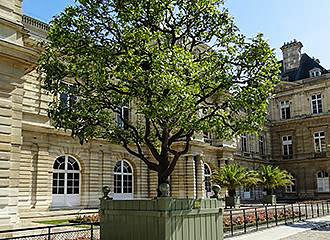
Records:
x=306, y=64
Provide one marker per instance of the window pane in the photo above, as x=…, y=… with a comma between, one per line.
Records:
x=285, y=150
x=287, y=113
x=70, y=167
x=70, y=176
x=59, y=163
x=76, y=166
x=76, y=183
x=69, y=183
x=61, y=190
x=61, y=183
x=207, y=170
x=55, y=175
x=56, y=164
x=125, y=113
x=76, y=175
x=117, y=183
x=118, y=167
x=290, y=149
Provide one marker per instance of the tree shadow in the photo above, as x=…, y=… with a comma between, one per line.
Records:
x=313, y=225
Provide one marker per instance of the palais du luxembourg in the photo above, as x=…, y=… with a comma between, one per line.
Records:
x=42, y=168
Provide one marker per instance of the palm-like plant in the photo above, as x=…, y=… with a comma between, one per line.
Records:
x=232, y=176
x=272, y=177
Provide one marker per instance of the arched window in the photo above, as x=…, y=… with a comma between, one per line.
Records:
x=123, y=180
x=66, y=182
x=322, y=181
x=207, y=180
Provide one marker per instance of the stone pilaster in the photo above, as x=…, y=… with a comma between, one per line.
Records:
x=11, y=96
x=199, y=176
x=14, y=60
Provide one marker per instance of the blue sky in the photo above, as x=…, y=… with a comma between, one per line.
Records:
x=280, y=20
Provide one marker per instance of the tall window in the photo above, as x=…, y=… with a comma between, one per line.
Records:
x=322, y=181
x=66, y=176
x=262, y=146
x=287, y=147
x=319, y=142
x=123, y=116
x=123, y=179
x=316, y=104
x=207, y=180
x=67, y=97
x=285, y=110
x=244, y=144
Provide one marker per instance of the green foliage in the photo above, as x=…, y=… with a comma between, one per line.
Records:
x=183, y=66
x=272, y=177
x=233, y=176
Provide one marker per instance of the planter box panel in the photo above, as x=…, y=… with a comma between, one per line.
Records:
x=166, y=219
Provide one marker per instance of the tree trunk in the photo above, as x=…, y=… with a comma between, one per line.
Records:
x=232, y=192
x=269, y=191
x=161, y=179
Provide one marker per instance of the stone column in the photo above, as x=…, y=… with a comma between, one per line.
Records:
x=199, y=175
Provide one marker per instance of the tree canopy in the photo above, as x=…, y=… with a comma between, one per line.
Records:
x=272, y=177
x=180, y=66
x=233, y=176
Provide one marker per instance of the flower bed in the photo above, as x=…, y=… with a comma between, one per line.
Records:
x=251, y=218
x=88, y=219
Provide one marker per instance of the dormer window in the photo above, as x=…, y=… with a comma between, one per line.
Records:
x=315, y=72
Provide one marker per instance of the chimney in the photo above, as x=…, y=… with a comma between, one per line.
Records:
x=291, y=55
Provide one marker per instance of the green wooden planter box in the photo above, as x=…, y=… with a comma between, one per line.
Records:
x=270, y=199
x=161, y=219
x=233, y=202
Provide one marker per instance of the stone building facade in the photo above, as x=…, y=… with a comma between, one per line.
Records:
x=43, y=168
x=299, y=122
x=297, y=131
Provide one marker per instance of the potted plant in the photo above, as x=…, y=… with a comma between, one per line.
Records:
x=271, y=177
x=232, y=176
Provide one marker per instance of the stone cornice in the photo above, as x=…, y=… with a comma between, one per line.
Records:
x=17, y=53
x=18, y=27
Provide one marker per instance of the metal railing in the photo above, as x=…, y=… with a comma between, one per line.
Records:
x=241, y=221
x=81, y=231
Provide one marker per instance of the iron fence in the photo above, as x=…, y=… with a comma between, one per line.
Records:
x=76, y=231
x=241, y=221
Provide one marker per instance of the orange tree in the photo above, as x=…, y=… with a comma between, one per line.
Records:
x=183, y=66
